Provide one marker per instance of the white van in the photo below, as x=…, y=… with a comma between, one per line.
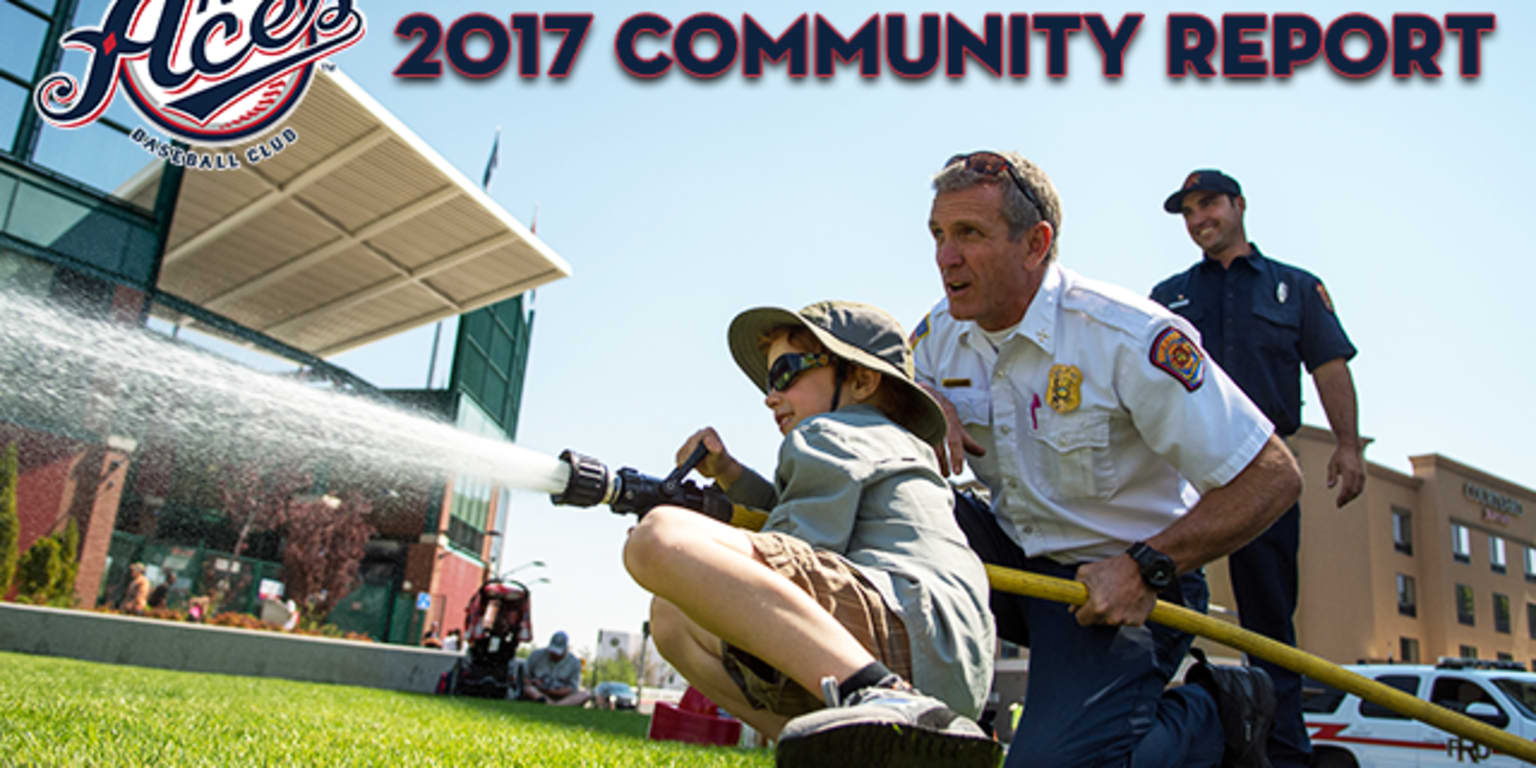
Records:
x=1348, y=732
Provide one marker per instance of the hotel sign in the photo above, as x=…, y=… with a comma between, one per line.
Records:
x=1492, y=500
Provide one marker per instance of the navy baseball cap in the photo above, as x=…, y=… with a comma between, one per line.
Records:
x=1203, y=180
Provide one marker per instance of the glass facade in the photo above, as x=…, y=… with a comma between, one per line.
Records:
x=489, y=358
x=100, y=155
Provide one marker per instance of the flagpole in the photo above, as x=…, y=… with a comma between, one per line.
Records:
x=485, y=186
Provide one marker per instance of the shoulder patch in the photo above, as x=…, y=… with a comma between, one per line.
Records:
x=1323, y=294
x=919, y=332
x=1179, y=357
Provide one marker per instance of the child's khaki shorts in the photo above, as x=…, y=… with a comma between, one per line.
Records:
x=838, y=588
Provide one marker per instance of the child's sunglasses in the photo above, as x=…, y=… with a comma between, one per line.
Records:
x=993, y=164
x=790, y=365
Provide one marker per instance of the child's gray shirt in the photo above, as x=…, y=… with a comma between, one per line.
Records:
x=854, y=483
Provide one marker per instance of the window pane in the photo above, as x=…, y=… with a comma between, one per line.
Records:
x=13, y=102
x=1408, y=684
x=93, y=154
x=30, y=277
x=24, y=35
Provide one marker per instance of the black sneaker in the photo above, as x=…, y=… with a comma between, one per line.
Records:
x=1245, y=702
x=891, y=727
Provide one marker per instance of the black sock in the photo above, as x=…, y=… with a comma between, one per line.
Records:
x=868, y=677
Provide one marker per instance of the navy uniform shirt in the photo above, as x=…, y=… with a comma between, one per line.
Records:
x=1260, y=319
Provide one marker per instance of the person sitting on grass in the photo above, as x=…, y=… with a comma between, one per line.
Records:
x=860, y=580
x=553, y=675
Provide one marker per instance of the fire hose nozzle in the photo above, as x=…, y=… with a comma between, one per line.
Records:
x=590, y=482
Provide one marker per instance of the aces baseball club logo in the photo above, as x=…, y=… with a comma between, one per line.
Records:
x=210, y=72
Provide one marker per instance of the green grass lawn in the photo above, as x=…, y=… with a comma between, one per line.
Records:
x=65, y=712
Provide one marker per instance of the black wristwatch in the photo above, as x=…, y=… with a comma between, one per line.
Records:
x=1157, y=569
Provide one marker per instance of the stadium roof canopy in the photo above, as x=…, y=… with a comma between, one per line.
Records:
x=356, y=231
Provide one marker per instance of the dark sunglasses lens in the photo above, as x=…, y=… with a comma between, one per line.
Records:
x=788, y=367
x=987, y=163
x=783, y=372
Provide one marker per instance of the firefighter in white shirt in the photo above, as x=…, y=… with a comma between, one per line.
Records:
x=1116, y=453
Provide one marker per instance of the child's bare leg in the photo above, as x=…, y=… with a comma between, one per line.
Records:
x=695, y=653
x=711, y=573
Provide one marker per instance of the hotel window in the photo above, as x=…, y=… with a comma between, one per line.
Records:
x=1469, y=651
x=1406, y=604
x=1408, y=650
x=1530, y=563
x=1501, y=613
x=1461, y=543
x=1466, y=610
x=1402, y=530
x=1496, y=554
x=1505, y=656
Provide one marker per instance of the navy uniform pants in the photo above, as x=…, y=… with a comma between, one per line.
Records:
x=1096, y=695
x=1264, y=583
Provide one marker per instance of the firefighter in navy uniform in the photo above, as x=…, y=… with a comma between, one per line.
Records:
x=1262, y=320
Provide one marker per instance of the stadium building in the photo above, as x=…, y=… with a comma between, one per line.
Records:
x=355, y=232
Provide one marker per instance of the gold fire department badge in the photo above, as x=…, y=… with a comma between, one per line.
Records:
x=1066, y=388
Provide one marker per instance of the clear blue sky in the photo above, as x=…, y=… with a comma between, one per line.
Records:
x=679, y=202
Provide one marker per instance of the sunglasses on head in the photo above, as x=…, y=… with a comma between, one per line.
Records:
x=790, y=365
x=993, y=164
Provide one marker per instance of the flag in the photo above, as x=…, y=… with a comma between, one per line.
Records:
x=490, y=164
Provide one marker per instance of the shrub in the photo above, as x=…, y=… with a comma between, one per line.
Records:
x=40, y=570
x=10, y=519
x=62, y=594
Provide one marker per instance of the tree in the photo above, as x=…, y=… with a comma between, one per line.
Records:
x=255, y=499
x=10, y=519
x=324, y=541
x=617, y=667
x=40, y=570
x=63, y=592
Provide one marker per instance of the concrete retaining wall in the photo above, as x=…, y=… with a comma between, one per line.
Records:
x=197, y=648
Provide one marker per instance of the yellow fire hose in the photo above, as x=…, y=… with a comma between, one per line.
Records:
x=1073, y=592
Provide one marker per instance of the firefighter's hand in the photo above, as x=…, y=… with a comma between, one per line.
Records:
x=956, y=442
x=1116, y=593
x=1347, y=466
x=717, y=464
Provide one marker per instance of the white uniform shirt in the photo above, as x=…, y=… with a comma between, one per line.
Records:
x=1080, y=470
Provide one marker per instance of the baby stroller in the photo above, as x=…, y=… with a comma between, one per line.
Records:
x=496, y=621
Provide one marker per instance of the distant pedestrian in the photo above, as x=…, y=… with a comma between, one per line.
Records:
x=136, y=596
x=158, y=597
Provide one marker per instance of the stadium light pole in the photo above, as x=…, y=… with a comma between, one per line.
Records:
x=529, y=564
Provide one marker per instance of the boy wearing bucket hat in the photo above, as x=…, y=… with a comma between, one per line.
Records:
x=860, y=579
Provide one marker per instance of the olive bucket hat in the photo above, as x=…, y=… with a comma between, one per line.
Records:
x=858, y=333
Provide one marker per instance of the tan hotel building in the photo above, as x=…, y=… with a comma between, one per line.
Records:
x=1441, y=562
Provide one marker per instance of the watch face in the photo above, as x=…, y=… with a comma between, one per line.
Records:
x=1156, y=568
